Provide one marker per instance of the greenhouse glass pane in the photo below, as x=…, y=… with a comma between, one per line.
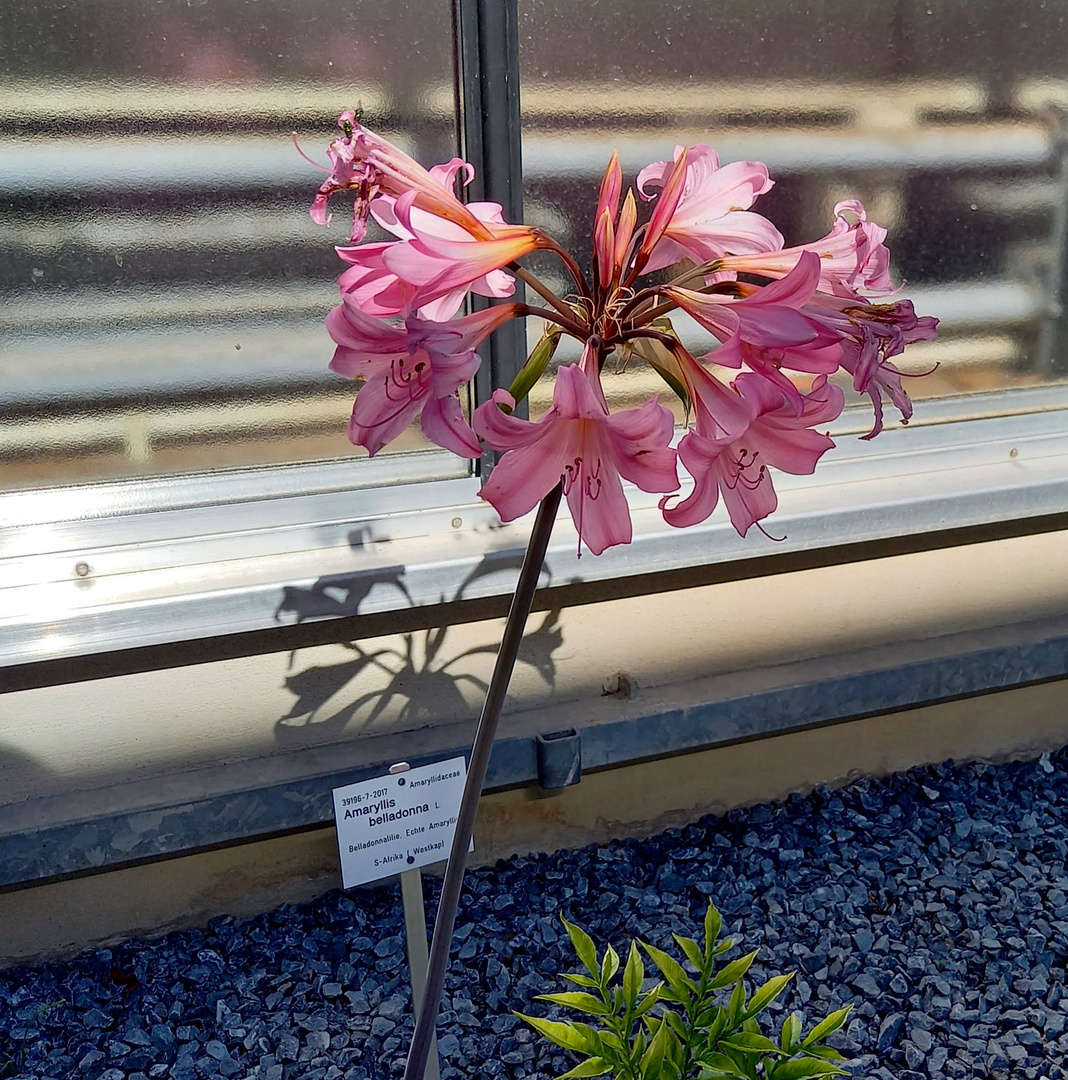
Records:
x=943, y=116
x=163, y=287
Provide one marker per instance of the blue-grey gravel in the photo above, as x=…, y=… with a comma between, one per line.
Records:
x=936, y=901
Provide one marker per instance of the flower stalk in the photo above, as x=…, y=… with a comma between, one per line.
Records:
x=449, y=901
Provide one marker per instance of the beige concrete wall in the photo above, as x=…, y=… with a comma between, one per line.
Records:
x=64, y=917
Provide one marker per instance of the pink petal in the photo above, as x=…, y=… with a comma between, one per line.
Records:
x=699, y=456
x=794, y=289
x=383, y=410
x=574, y=398
x=748, y=503
x=599, y=507
x=524, y=476
x=502, y=430
x=442, y=422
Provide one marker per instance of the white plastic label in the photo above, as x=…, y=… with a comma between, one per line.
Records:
x=398, y=822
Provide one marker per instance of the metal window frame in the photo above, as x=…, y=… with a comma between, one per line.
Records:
x=86, y=597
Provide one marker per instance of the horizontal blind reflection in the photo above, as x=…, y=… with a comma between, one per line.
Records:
x=944, y=118
x=164, y=289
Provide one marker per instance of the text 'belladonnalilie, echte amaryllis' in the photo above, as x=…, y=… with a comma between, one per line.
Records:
x=771, y=312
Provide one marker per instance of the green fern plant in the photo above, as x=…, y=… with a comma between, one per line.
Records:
x=696, y=1024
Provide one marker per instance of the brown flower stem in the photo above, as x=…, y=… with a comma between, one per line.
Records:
x=542, y=290
x=570, y=325
x=573, y=269
x=449, y=900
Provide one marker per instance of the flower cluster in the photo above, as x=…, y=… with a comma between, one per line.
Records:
x=769, y=309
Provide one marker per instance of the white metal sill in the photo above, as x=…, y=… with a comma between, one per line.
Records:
x=182, y=560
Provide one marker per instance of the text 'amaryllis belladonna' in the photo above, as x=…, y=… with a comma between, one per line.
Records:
x=799, y=320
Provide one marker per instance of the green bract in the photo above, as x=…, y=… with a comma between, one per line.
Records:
x=691, y=1025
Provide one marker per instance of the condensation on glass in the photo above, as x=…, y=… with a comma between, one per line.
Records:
x=944, y=118
x=163, y=287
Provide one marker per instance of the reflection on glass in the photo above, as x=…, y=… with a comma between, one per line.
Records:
x=163, y=287
x=942, y=116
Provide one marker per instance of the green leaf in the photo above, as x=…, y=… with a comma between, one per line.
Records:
x=828, y=1053
x=737, y=1003
x=791, y=1032
x=803, y=1069
x=691, y=949
x=582, y=980
x=676, y=1023
x=723, y=1065
x=733, y=971
x=651, y=998
x=724, y=946
x=535, y=365
x=716, y=1027
x=593, y=1066
x=653, y=1058
x=611, y=1040
x=713, y=925
x=633, y=976
x=584, y=948
x=828, y=1026
x=749, y=1043
x=609, y=965
x=672, y=971
x=569, y=1036
x=594, y=1045
x=586, y=1003
x=767, y=993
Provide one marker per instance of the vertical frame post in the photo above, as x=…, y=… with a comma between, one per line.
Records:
x=488, y=59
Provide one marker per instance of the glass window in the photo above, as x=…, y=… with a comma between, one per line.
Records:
x=942, y=116
x=163, y=287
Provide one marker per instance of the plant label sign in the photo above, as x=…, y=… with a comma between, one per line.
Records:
x=398, y=822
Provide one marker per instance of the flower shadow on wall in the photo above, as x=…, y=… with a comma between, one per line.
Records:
x=408, y=680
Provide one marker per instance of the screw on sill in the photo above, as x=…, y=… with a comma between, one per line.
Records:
x=81, y=569
x=1014, y=452
x=457, y=522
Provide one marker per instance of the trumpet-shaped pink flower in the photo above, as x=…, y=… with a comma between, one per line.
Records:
x=440, y=267
x=372, y=166
x=870, y=334
x=380, y=292
x=580, y=443
x=853, y=258
x=770, y=316
x=419, y=205
x=712, y=217
x=736, y=466
x=410, y=370
x=771, y=363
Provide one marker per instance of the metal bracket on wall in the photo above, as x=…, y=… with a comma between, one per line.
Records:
x=559, y=758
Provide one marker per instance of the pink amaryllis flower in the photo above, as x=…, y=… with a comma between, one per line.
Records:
x=370, y=165
x=581, y=444
x=853, y=258
x=409, y=370
x=711, y=217
x=438, y=266
x=870, y=335
x=380, y=292
x=769, y=315
x=736, y=466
